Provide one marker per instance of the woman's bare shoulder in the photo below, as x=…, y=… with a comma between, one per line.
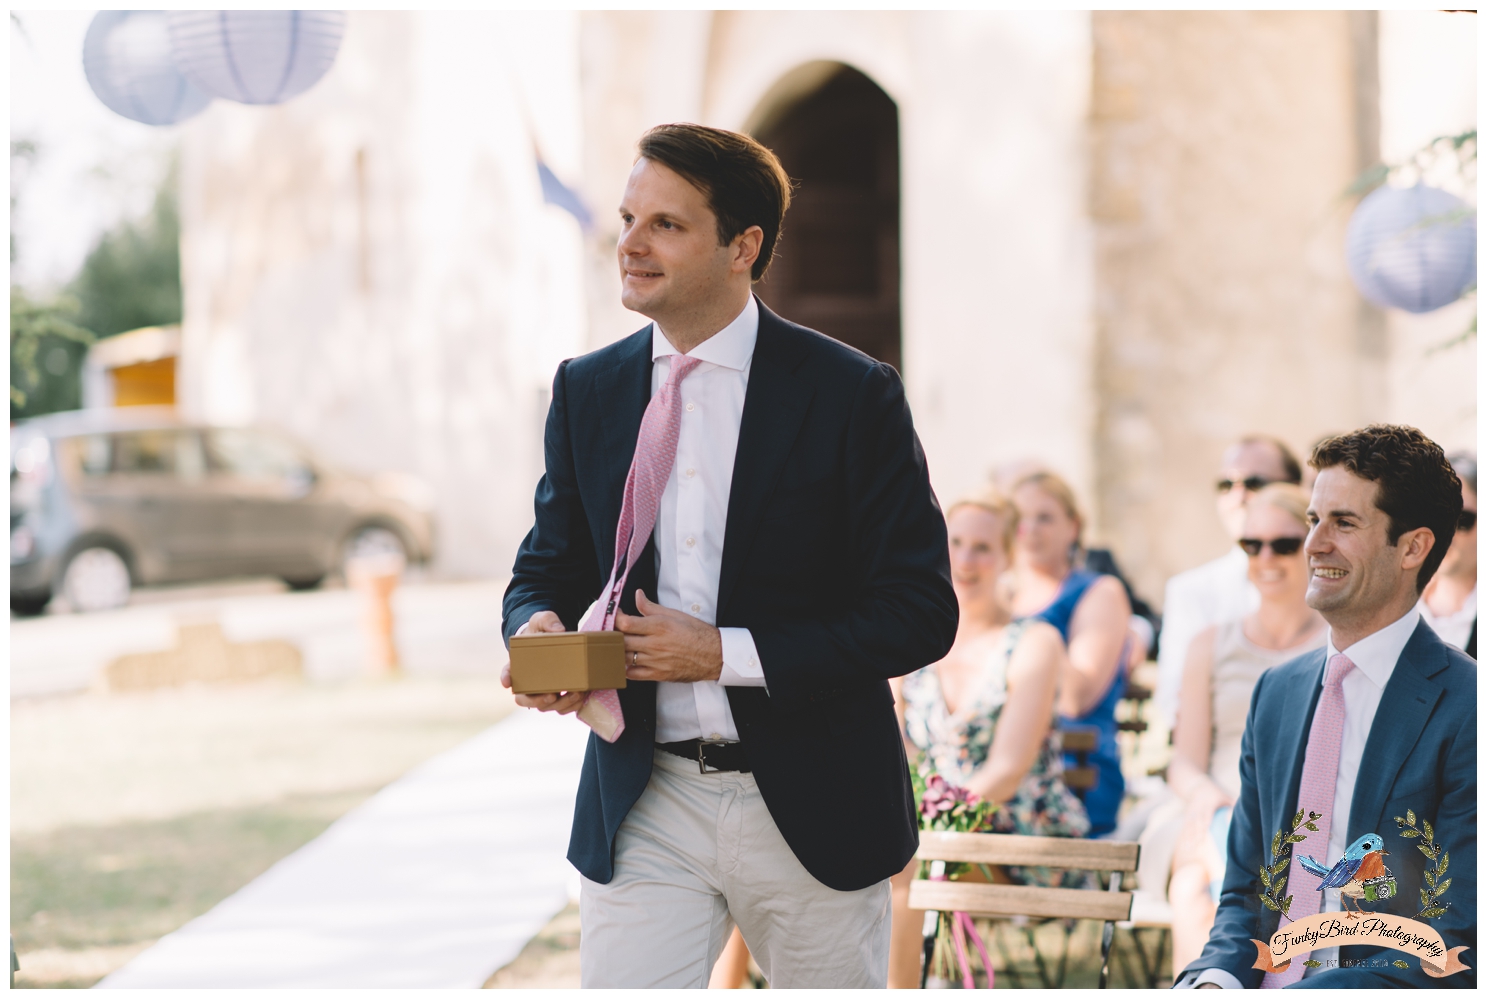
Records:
x=1038, y=640
x=1107, y=591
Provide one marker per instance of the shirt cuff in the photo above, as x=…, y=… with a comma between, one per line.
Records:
x=1214, y=976
x=741, y=666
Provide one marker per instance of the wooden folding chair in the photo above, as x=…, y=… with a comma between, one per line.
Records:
x=1027, y=900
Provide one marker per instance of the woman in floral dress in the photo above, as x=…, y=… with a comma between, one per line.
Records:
x=982, y=717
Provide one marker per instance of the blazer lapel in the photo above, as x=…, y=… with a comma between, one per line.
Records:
x=1409, y=700
x=775, y=406
x=623, y=393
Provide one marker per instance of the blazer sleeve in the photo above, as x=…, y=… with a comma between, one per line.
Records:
x=556, y=564
x=1241, y=916
x=902, y=613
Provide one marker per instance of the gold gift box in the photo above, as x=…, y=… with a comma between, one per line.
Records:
x=550, y=662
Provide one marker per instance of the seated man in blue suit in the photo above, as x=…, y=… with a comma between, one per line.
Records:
x=1380, y=723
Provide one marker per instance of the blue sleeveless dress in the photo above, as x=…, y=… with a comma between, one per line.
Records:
x=1102, y=802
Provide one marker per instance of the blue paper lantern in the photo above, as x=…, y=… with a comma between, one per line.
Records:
x=127, y=60
x=256, y=56
x=1412, y=248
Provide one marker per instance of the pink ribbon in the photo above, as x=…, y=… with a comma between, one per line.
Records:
x=961, y=928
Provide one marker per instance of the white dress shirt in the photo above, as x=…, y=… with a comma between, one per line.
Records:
x=1213, y=592
x=1454, y=629
x=1362, y=689
x=694, y=516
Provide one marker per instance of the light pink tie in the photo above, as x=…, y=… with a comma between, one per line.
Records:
x=1318, y=787
x=655, y=455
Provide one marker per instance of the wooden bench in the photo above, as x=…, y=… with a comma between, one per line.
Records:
x=1002, y=900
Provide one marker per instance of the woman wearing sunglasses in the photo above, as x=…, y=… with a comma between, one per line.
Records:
x=1224, y=662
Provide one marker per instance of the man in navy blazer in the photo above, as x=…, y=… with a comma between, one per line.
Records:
x=1383, y=512
x=832, y=576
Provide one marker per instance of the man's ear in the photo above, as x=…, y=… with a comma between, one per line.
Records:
x=1415, y=546
x=746, y=247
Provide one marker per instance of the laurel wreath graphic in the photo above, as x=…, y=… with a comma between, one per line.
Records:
x=1273, y=877
x=1435, y=886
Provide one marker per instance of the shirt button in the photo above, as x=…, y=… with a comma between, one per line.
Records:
x=691, y=472
x=696, y=608
x=715, y=737
x=691, y=406
x=691, y=542
x=753, y=661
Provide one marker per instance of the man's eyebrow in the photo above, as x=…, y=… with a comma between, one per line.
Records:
x=1338, y=513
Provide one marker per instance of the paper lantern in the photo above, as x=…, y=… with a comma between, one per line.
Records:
x=1412, y=248
x=256, y=56
x=127, y=60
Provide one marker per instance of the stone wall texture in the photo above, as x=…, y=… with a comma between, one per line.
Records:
x=1221, y=148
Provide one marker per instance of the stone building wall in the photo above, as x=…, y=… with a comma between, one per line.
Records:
x=996, y=265
x=371, y=268
x=1222, y=144
x=1121, y=240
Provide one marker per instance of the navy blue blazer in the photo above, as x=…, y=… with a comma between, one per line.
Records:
x=1421, y=755
x=834, y=557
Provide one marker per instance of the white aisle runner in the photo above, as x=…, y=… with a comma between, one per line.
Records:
x=436, y=881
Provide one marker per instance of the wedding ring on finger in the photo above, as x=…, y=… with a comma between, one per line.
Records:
x=634, y=658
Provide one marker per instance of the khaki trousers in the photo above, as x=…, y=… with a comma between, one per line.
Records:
x=700, y=852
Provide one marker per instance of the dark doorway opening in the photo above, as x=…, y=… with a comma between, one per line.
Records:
x=837, y=267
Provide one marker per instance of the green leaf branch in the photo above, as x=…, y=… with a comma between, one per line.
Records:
x=1436, y=882
x=1274, y=875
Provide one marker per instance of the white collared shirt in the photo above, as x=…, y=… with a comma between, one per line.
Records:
x=694, y=517
x=1362, y=689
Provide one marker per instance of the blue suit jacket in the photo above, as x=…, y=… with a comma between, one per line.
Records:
x=1421, y=755
x=834, y=557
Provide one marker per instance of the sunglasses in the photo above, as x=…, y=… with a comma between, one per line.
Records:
x=1254, y=483
x=1467, y=521
x=1280, y=546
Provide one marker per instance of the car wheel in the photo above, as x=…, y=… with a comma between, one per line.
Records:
x=30, y=604
x=372, y=542
x=96, y=579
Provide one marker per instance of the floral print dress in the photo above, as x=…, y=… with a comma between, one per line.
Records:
x=955, y=746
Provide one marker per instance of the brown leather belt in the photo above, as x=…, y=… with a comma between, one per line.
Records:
x=711, y=757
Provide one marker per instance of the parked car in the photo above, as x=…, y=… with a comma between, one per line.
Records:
x=105, y=500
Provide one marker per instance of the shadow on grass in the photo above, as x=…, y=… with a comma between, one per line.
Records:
x=83, y=900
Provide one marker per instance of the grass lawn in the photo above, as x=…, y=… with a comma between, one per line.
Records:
x=132, y=815
x=82, y=897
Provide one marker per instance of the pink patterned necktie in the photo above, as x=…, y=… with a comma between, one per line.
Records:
x=1318, y=787
x=655, y=454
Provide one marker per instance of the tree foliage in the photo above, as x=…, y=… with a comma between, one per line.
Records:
x=46, y=354
x=133, y=276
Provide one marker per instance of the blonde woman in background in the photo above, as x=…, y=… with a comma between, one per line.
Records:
x=983, y=717
x=1092, y=613
x=1224, y=662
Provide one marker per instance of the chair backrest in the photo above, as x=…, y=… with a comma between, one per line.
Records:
x=1081, y=741
x=1025, y=900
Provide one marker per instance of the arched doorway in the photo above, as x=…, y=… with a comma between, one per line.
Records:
x=837, y=266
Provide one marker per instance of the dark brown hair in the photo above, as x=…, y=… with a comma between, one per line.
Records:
x=743, y=181
x=1417, y=487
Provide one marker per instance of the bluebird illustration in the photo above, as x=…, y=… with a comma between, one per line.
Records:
x=1361, y=862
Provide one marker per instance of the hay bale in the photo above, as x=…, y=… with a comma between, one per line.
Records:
x=203, y=655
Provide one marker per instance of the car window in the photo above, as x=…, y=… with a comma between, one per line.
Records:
x=254, y=456
x=164, y=453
